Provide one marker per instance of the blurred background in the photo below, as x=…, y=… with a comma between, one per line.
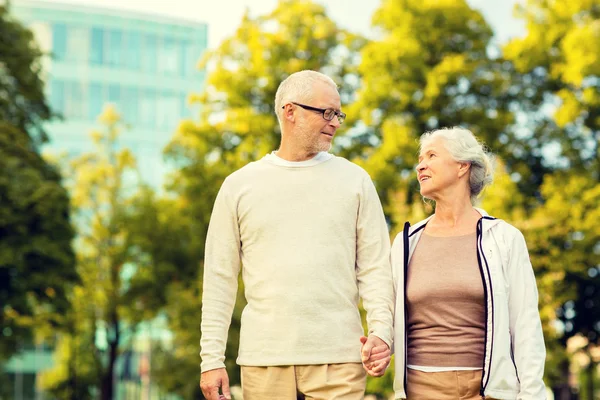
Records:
x=120, y=120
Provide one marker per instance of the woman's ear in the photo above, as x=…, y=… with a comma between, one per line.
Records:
x=463, y=168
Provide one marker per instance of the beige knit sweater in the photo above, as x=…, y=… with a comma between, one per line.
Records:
x=311, y=237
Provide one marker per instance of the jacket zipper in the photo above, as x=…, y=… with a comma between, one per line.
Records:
x=512, y=357
x=406, y=257
x=488, y=294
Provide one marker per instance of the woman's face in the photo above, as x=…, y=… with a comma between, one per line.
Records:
x=437, y=171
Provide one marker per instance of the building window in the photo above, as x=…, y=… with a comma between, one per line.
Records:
x=115, y=48
x=149, y=51
x=133, y=50
x=95, y=100
x=167, y=112
x=148, y=108
x=77, y=44
x=59, y=41
x=192, y=55
x=184, y=108
x=97, y=46
x=73, y=100
x=57, y=96
x=114, y=94
x=130, y=105
x=168, y=57
x=184, y=58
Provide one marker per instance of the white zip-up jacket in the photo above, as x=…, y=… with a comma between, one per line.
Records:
x=515, y=353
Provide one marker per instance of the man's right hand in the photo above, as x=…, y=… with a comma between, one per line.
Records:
x=211, y=381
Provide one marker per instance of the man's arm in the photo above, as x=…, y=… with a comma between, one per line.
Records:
x=220, y=283
x=373, y=269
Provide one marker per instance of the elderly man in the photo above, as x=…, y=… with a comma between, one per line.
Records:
x=309, y=230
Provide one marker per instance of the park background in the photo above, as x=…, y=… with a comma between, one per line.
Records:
x=106, y=186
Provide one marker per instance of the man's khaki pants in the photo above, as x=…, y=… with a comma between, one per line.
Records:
x=318, y=382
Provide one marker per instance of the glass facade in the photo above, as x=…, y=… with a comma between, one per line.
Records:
x=144, y=65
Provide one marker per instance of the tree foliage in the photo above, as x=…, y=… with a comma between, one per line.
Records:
x=429, y=68
x=560, y=67
x=37, y=263
x=22, y=101
x=102, y=184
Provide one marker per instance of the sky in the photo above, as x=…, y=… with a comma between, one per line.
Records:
x=224, y=16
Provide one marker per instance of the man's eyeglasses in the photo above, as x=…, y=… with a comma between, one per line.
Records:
x=328, y=113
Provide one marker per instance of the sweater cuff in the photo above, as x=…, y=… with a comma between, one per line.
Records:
x=210, y=365
x=382, y=333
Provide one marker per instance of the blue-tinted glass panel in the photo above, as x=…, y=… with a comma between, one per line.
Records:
x=95, y=101
x=184, y=110
x=148, y=108
x=114, y=96
x=193, y=54
x=181, y=51
x=149, y=52
x=97, y=46
x=73, y=100
x=168, y=57
x=133, y=50
x=130, y=104
x=57, y=96
x=167, y=112
x=59, y=41
x=115, y=48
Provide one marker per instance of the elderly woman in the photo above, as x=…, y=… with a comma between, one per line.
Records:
x=467, y=324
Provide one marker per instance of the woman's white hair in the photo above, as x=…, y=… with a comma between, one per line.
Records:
x=464, y=147
x=298, y=87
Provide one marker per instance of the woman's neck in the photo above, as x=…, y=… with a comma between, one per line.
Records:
x=454, y=219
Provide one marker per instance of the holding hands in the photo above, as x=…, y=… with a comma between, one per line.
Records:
x=376, y=355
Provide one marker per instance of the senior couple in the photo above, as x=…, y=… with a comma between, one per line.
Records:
x=456, y=301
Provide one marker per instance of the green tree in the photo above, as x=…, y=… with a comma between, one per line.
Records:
x=560, y=68
x=102, y=184
x=565, y=241
x=429, y=69
x=37, y=263
x=560, y=65
x=22, y=101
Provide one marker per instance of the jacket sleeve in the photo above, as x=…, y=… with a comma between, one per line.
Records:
x=373, y=269
x=220, y=282
x=525, y=325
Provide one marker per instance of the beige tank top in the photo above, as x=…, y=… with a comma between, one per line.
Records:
x=446, y=311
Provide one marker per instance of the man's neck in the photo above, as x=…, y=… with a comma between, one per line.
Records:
x=297, y=155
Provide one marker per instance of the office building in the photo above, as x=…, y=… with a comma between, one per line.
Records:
x=144, y=64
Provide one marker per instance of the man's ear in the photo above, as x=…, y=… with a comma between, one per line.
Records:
x=288, y=112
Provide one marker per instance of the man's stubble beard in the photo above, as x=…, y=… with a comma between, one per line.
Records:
x=312, y=143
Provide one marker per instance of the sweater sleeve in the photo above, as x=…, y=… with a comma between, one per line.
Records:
x=525, y=325
x=373, y=269
x=220, y=282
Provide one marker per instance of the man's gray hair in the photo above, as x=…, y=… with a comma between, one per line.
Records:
x=464, y=147
x=298, y=87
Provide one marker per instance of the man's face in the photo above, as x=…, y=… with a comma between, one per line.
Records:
x=312, y=132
